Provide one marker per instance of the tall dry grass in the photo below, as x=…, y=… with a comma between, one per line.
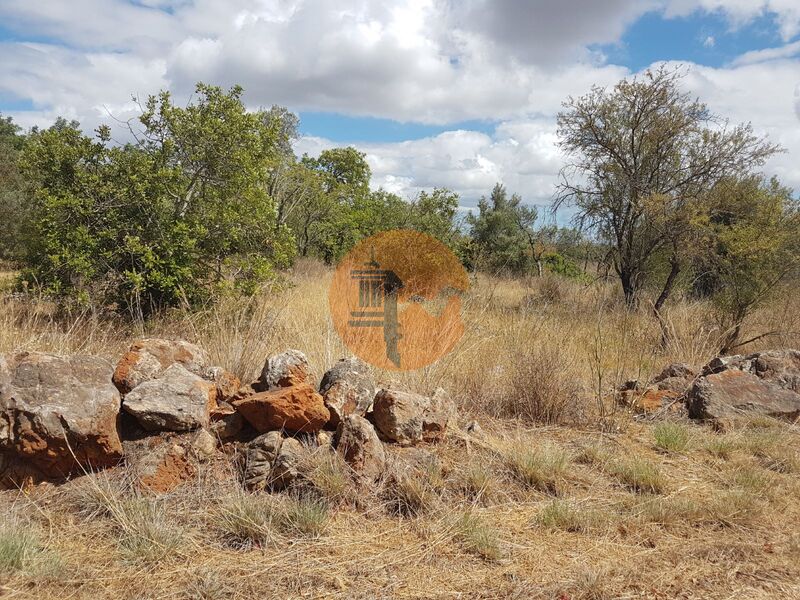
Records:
x=541, y=349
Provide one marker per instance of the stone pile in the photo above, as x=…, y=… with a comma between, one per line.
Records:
x=726, y=389
x=164, y=409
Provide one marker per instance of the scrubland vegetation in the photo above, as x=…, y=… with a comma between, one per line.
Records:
x=209, y=229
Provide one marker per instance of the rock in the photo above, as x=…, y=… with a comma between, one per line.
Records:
x=474, y=428
x=162, y=462
x=297, y=408
x=286, y=468
x=409, y=418
x=347, y=388
x=732, y=393
x=226, y=423
x=359, y=446
x=680, y=370
x=60, y=413
x=649, y=401
x=286, y=369
x=227, y=383
x=261, y=453
x=177, y=400
x=147, y=358
x=272, y=462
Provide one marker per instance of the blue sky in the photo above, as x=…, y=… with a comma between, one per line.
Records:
x=435, y=92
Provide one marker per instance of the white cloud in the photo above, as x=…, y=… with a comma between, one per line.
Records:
x=710, y=41
x=431, y=61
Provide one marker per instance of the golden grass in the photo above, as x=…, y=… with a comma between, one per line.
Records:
x=632, y=516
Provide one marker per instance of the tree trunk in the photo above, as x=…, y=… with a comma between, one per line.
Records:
x=629, y=288
x=538, y=267
x=669, y=284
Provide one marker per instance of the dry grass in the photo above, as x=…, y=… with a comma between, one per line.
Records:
x=543, y=504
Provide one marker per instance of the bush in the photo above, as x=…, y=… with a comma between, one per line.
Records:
x=168, y=220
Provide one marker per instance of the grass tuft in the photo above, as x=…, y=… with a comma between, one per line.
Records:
x=478, y=537
x=543, y=469
x=671, y=437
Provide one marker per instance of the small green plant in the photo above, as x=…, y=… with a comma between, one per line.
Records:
x=328, y=474
x=18, y=545
x=476, y=481
x=146, y=532
x=303, y=516
x=639, y=475
x=721, y=446
x=478, y=537
x=542, y=469
x=565, y=516
x=246, y=520
x=671, y=437
x=408, y=495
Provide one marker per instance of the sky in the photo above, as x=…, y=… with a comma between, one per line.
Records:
x=438, y=93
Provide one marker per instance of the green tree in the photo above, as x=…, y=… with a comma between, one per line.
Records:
x=750, y=240
x=640, y=159
x=13, y=207
x=171, y=218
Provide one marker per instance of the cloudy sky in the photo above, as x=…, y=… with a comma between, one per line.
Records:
x=454, y=93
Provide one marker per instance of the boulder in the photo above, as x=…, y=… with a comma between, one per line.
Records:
x=226, y=423
x=764, y=383
x=408, y=418
x=297, y=408
x=160, y=463
x=347, y=388
x=60, y=413
x=227, y=383
x=286, y=369
x=272, y=462
x=147, y=358
x=177, y=400
x=357, y=443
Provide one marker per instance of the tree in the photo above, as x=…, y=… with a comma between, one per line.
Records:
x=13, y=207
x=641, y=158
x=750, y=235
x=171, y=218
x=504, y=234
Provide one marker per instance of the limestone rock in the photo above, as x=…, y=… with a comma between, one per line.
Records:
x=297, y=408
x=347, y=388
x=59, y=412
x=147, y=358
x=177, y=400
x=357, y=443
x=286, y=369
x=408, y=418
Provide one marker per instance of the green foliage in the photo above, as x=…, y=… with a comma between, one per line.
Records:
x=12, y=199
x=171, y=218
x=750, y=231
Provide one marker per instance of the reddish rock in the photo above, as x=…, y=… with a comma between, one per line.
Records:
x=147, y=358
x=59, y=413
x=227, y=383
x=161, y=463
x=297, y=408
x=651, y=400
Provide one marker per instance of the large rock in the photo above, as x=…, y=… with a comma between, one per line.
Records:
x=297, y=408
x=60, y=413
x=286, y=369
x=765, y=383
x=177, y=400
x=347, y=389
x=272, y=462
x=147, y=358
x=357, y=443
x=408, y=418
x=227, y=383
x=161, y=463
